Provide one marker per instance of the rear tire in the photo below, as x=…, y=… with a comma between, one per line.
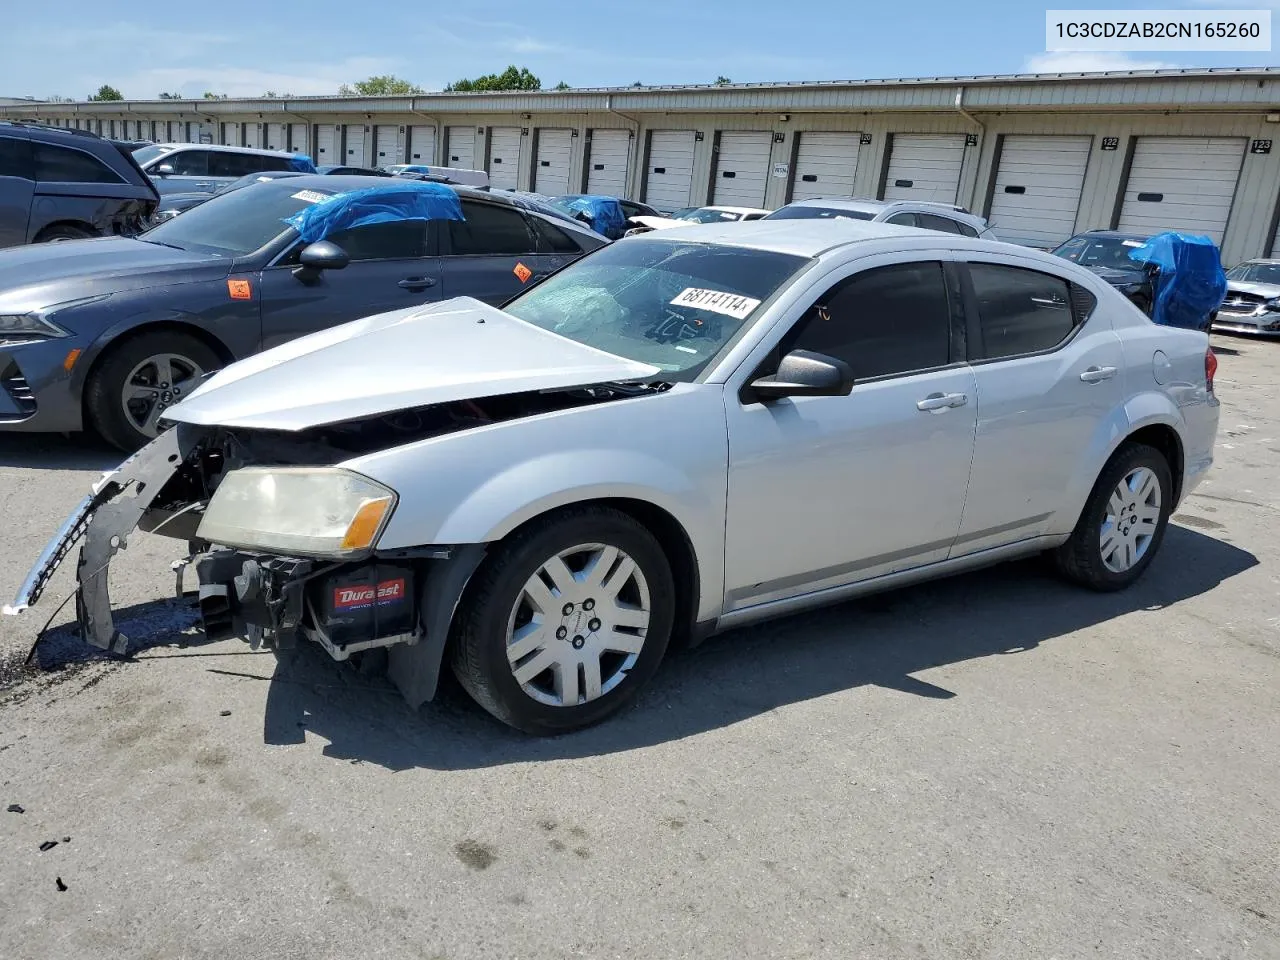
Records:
x=1123, y=522
x=131, y=366
x=65, y=231
x=607, y=608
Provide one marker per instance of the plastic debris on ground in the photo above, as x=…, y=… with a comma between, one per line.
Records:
x=398, y=200
x=1190, y=284
x=16, y=808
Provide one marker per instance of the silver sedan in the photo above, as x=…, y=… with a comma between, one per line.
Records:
x=671, y=437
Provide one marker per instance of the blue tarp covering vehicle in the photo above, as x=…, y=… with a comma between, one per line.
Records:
x=604, y=215
x=301, y=163
x=1188, y=281
x=398, y=200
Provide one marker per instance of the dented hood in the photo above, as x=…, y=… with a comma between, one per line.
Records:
x=456, y=350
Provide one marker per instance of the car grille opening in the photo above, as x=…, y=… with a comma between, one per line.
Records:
x=15, y=384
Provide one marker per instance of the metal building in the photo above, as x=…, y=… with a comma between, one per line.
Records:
x=1042, y=156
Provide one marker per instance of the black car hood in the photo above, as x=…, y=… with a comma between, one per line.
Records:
x=42, y=274
x=181, y=201
x=1119, y=277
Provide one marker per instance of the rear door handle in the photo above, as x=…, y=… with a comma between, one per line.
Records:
x=417, y=283
x=939, y=402
x=1098, y=374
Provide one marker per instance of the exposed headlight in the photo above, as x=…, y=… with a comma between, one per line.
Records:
x=1273, y=303
x=303, y=511
x=160, y=216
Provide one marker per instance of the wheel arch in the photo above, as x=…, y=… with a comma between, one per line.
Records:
x=75, y=222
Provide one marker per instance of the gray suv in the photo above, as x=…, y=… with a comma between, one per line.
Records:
x=61, y=184
x=204, y=167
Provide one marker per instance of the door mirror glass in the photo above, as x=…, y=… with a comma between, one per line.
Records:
x=803, y=373
x=323, y=255
x=164, y=170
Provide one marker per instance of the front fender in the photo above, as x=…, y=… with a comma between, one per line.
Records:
x=668, y=450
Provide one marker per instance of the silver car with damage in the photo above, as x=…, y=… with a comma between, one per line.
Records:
x=673, y=436
x=1252, y=303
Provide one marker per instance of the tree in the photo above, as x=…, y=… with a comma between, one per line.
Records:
x=563, y=86
x=210, y=95
x=637, y=84
x=511, y=78
x=56, y=98
x=170, y=96
x=387, y=86
x=723, y=81
x=107, y=92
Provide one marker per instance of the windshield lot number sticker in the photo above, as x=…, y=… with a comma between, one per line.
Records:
x=729, y=304
x=239, y=290
x=310, y=196
x=522, y=272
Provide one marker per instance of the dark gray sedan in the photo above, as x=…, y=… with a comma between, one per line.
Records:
x=106, y=333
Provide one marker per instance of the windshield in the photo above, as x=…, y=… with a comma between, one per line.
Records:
x=145, y=155
x=667, y=303
x=1101, y=251
x=234, y=224
x=1256, y=273
x=708, y=215
x=819, y=213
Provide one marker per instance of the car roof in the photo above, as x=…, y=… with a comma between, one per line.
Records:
x=814, y=237
x=734, y=209
x=862, y=204
x=222, y=148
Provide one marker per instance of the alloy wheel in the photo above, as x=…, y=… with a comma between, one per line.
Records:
x=155, y=384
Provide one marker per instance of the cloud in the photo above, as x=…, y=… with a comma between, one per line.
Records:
x=1089, y=62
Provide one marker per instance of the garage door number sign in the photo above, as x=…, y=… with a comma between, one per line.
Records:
x=1260, y=146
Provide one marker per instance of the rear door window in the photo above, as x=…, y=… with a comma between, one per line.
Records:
x=930, y=221
x=54, y=164
x=551, y=239
x=15, y=158
x=903, y=219
x=1021, y=311
x=490, y=230
x=236, y=164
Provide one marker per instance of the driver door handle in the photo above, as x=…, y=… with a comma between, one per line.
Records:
x=938, y=402
x=1098, y=374
x=417, y=283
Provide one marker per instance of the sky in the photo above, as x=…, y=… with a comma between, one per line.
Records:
x=242, y=48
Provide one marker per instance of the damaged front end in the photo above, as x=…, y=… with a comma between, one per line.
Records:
x=304, y=565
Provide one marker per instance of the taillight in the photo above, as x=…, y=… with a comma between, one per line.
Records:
x=1210, y=368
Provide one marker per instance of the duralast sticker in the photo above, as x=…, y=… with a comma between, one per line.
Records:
x=729, y=304
x=358, y=597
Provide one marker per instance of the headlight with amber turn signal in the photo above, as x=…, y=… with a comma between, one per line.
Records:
x=298, y=511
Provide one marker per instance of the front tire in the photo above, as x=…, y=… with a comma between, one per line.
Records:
x=138, y=379
x=65, y=231
x=1122, y=524
x=565, y=621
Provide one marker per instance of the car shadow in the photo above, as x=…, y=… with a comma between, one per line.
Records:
x=882, y=640
x=55, y=451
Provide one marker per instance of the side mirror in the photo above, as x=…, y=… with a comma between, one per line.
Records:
x=164, y=170
x=319, y=256
x=803, y=373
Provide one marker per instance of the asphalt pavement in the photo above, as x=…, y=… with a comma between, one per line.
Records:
x=994, y=766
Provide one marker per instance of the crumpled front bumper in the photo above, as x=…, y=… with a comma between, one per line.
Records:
x=1260, y=321
x=105, y=520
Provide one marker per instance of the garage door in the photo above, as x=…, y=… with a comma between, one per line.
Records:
x=388, y=145
x=462, y=148
x=299, y=142
x=742, y=168
x=504, y=157
x=231, y=134
x=357, y=134
x=1037, y=189
x=825, y=165
x=607, y=163
x=422, y=144
x=253, y=135
x=1182, y=183
x=669, y=169
x=326, y=144
x=925, y=167
x=275, y=137
x=551, y=165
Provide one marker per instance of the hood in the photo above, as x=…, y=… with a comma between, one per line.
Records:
x=42, y=274
x=1267, y=290
x=1118, y=276
x=456, y=350
x=182, y=201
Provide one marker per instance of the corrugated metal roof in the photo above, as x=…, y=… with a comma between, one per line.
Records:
x=1115, y=88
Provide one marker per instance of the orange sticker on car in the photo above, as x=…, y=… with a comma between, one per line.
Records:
x=522, y=272
x=239, y=290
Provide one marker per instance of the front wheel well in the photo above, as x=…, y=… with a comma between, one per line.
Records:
x=74, y=224
x=1165, y=439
